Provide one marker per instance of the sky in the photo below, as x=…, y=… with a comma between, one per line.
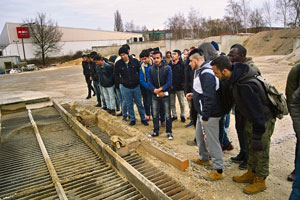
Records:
x=99, y=14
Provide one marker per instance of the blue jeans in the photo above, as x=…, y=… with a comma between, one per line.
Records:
x=97, y=90
x=295, y=194
x=109, y=95
x=227, y=120
x=121, y=101
x=222, y=133
x=130, y=96
x=158, y=104
x=102, y=96
x=147, y=100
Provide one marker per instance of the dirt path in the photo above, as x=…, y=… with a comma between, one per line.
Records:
x=67, y=84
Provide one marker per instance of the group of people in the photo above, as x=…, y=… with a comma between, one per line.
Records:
x=202, y=76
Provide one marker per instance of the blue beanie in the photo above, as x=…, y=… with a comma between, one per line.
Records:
x=215, y=45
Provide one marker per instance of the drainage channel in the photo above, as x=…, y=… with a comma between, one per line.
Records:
x=168, y=185
x=81, y=173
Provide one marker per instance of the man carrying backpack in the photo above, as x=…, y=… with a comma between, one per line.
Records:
x=252, y=100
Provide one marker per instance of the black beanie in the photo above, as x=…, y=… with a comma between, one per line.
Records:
x=123, y=50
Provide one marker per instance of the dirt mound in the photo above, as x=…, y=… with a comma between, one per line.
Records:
x=275, y=42
x=72, y=62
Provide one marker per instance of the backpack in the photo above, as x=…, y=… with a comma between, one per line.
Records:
x=278, y=104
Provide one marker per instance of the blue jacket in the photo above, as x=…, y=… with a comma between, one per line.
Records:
x=206, y=92
x=160, y=77
x=143, y=79
x=105, y=74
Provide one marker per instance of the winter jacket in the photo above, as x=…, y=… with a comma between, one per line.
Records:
x=105, y=74
x=160, y=77
x=177, y=75
x=93, y=71
x=86, y=68
x=128, y=74
x=293, y=82
x=250, y=99
x=188, y=77
x=144, y=73
x=206, y=92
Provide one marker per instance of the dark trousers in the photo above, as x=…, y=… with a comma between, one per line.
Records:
x=159, y=103
x=89, y=85
x=193, y=113
x=97, y=90
x=240, y=123
x=295, y=194
x=147, y=100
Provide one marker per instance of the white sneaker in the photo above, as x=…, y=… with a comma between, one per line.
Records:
x=153, y=135
x=170, y=137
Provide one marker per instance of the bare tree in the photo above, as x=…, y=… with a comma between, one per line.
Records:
x=118, y=22
x=268, y=11
x=131, y=27
x=177, y=25
x=194, y=23
x=245, y=13
x=282, y=10
x=45, y=35
x=234, y=11
x=294, y=13
x=256, y=19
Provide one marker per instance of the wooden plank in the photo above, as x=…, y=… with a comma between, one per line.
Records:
x=0, y=124
x=165, y=157
x=59, y=189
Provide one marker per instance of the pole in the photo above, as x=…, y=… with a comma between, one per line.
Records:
x=23, y=50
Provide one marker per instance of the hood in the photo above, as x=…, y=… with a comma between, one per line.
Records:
x=249, y=60
x=241, y=71
x=205, y=65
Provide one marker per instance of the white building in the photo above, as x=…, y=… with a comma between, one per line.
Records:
x=73, y=39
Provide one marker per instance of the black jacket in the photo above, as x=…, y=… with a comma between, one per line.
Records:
x=188, y=77
x=106, y=75
x=128, y=76
x=249, y=98
x=93, y=71
x=86, y=68
x=177, y=75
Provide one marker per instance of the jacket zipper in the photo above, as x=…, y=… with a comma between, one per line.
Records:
x=158, y=77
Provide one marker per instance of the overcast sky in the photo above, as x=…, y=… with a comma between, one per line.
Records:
x=99, y=14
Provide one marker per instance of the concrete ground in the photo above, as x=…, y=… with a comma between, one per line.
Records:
x=67, y=84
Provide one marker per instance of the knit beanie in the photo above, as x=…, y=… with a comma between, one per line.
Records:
x=123, y=50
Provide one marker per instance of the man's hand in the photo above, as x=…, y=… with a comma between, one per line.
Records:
x=158, y=90
x=205, y=122
x=189, y=96
x=161, y=94
x=91, y=78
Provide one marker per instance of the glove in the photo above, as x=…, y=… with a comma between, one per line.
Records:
x=256, y=145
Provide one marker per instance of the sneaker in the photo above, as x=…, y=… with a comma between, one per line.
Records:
x=94, y=94
x=113, y=112
x=170, y=137
x=88, y=97
x=145, y=122
x=174, y=118
x=153, y=135
x=124, y=118
x=132, y=123
x=104, y=108
x=163, y=124
x=120, y=114
x=213, y=176
x=200, y=162
x=98, y=104
x=228, y=147
x=182, y=118
x=243, y=165
x=189, y=124
x=292, y=176
x=238, y=159
x=147, y=118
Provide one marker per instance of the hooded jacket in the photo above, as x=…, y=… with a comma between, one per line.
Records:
x=206, y=94
x=105, y=74
x=93, y=71
x=177, y=75
x=249, y=97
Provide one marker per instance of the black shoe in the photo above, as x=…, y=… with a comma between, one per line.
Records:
x=104, y=108
x=170, y=136
x=174, y=118
x=153, y=135
x=94, y=94
x=238, y=159
x=145, y=122
x=292, y=176
x=113, y=112
x=118, y=108
x=124, y=118
x=120, y=114
x=132, y=123
x=189, y=124
x=98, y=104
x=243, y=165
x=182, y=119
x=88, y=97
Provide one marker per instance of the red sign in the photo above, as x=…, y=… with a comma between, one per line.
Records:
x=23, y=32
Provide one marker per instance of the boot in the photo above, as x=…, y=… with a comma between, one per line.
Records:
x=258, y=185
x=248, y=177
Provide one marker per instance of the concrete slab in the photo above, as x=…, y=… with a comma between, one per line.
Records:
x=27, y=97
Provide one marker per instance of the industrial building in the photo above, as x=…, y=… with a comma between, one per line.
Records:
x=73, y=39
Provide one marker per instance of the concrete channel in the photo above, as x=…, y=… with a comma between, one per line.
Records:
x=46, y=153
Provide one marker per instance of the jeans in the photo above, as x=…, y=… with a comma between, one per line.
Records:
x=122, y=101
x=159, y=103
x=89, y=84
x=222, y=132
x=109, y=95
x=295, y=194
x=102, y=96
x=130, y=96
x=97, y=90
x=180, y=96
x=227, y=120
x=147, y=100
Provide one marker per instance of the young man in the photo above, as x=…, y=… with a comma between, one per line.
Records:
x=177, y=85
x=106, y=79
x=168, y=57
x=127, y=72
x=238, y=54
x=292, y=91
x=252, y=101
x=86, y=73
x=160, y=81
x=207, y=103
